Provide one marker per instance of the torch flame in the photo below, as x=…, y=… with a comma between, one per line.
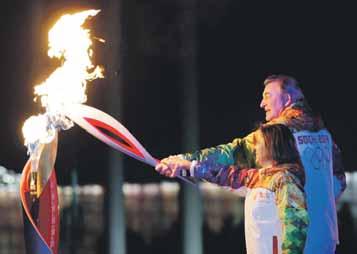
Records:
x=70, y=42
x=36, y=129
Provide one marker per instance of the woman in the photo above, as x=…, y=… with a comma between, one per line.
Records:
x=275, y=209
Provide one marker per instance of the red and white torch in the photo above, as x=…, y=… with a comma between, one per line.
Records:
x=71, y=43
x=62, y=95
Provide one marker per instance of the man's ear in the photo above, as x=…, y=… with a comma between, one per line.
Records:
x=287, y=100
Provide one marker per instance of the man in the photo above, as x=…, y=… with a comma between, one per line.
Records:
x=284, y=103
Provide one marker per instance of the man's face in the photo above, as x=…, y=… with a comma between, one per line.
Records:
x=274, y=100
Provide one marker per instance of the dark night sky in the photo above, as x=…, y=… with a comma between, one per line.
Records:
x=239, y=44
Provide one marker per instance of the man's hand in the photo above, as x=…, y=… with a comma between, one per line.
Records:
x=172, y=166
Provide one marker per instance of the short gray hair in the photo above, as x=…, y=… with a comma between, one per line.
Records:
x=288, y=84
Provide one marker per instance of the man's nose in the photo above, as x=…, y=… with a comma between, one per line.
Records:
x=262, y=103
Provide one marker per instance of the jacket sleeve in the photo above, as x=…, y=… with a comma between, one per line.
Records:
x=240, y=153
x=223, y=165
x=293, y=214
x=339, y=177
x=225, y=176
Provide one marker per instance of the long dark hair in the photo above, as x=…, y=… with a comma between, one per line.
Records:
x=280, y=144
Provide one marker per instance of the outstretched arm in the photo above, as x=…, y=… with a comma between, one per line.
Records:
x=226, y=176
x=240, y=151
x=212, y=162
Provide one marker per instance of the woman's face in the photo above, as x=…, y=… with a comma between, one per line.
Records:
x=261, y=152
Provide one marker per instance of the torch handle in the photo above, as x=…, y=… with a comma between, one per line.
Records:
x=110, y=131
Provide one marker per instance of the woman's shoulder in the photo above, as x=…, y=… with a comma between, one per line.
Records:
x=283, y=174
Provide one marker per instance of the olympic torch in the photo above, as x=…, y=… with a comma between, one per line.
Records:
x=62, y=95
x=69, y=42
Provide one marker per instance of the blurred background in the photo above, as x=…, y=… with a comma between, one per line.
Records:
x=180, y=75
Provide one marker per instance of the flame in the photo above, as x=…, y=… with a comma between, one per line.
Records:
x=35, y=129
x=71, y=43
x=67, y=84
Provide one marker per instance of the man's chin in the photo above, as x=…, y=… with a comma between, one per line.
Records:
x=267, y=118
